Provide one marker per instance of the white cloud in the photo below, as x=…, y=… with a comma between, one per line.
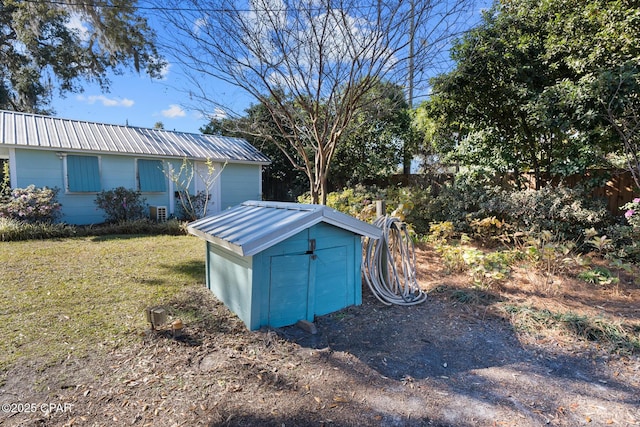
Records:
x=199, y=24
x=173, y=111
x=77, y=24
x=164, y=72
x=107, y=102
x=218, y=114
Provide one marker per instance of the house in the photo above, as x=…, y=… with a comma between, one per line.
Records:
x=275, y=263
x=83, y=158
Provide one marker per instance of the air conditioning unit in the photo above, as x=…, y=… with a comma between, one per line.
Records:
x=158, y=213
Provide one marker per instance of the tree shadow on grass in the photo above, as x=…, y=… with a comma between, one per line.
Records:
x=193, y=269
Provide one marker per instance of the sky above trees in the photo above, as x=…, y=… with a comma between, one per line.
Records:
x=138, y=100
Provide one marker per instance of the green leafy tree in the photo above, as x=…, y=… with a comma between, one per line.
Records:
x=375, y=139
x=41, y=48
x=524, y=93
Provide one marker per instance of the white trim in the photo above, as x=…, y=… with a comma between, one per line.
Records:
x=13, y=170
x=172, y=191
x=260, y=183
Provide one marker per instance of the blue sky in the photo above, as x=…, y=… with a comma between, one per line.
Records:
x=138, y=100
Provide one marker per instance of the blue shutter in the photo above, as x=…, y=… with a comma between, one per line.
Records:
x=151, y=176
x=83, y=174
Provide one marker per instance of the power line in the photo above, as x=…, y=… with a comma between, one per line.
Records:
x=175, y=9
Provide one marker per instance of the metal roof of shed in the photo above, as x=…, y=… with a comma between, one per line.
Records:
x=53, y=133
x=253, y=226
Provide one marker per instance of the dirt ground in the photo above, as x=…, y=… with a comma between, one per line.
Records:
x=451, y=361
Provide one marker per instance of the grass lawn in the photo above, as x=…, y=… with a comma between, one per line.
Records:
x=72, y=296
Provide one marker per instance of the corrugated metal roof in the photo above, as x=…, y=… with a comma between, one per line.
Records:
x=252, y=226
x=53, y=133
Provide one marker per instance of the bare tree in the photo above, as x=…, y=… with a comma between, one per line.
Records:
x=310, y=62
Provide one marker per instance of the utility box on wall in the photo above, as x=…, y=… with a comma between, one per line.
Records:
x=274, y=263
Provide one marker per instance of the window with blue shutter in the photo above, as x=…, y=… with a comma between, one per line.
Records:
x=151, y=176
x=83, y=174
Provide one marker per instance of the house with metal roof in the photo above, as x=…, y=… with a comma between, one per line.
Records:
x=83, y=158
x=275, y=263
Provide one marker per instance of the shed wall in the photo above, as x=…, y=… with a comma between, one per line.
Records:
x=230, y=278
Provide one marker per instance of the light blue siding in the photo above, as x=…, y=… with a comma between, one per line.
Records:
x=44, y=168
x=230, y=278
x=40, y=168
x=332, y=280
x=289, y=290
x=239, y=183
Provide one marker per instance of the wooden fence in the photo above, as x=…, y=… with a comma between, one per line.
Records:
x=618, y=187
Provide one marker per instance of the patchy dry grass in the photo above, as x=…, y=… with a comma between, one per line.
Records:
x=72, y=313
x=614, y=335
x=67, y=297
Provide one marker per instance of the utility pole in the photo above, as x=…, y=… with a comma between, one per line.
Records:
x=406, y=157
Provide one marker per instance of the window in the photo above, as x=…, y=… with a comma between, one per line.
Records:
x=151, y=176
x=83, y=174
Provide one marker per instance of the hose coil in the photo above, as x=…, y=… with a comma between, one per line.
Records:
x=388, y=264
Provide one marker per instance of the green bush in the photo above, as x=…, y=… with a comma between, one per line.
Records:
x=625, y=241
x=121, y=204
x=565, y=212
x=474, y=197
x=471, y=195
x=31, y=205
x=12, y=230
x=632, y=212
x=359, y=201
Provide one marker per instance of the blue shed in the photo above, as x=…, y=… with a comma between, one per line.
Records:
x=274, y=263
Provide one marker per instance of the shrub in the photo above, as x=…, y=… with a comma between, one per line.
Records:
x=12, y=230
x=31, y=205
x=192, y=206
x=626, y=241
x=121, y=204
x=563, y=211
x=145, y=226
x=471, y=195
x=359, y=201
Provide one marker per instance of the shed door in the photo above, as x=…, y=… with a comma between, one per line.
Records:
x=289, y=290
x=331, y=280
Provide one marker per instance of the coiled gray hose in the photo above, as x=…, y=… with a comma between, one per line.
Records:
x=388, y=264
